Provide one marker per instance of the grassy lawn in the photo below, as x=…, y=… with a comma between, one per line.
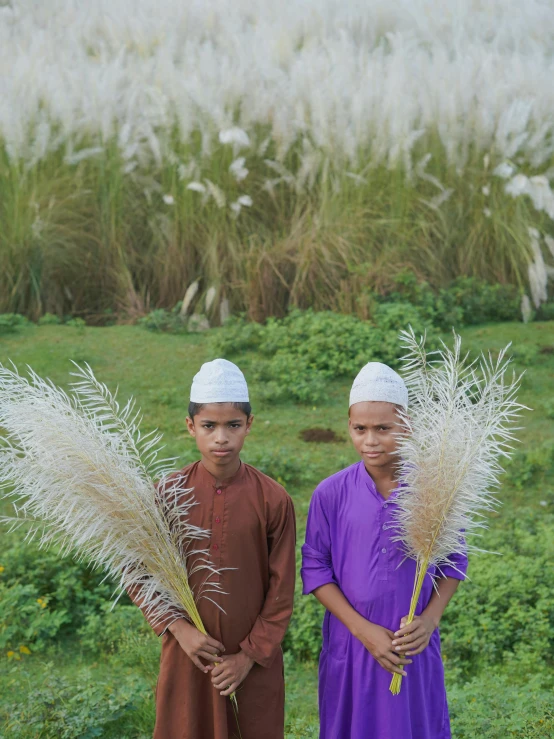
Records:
x=157, y=369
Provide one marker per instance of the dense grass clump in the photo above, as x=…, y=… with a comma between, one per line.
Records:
x=286, y=155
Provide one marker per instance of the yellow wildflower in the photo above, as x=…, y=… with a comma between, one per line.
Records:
x=24, y=650
x=2, y=568
x=11, y=654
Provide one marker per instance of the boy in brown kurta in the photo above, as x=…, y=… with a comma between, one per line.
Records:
x=252, y=524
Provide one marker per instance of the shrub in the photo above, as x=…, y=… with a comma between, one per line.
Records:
x=465, y=301
x=282, y=466
x=78, y=323
x=72, y=590
x=530, y=466
x=79, y=709
x=10, y=323
x=546, y=312
x=238, y=335
x=303, y=638
x=172, y=321
x=482, y=302
x=306, y=349
x=26, y=621
x=497, y=707
x=505, y=613
x=105, y=629
x=49, y=319
x=162, y=320
x=524, y=354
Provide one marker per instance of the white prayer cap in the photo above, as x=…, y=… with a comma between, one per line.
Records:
x=219, y=381
x=377, y=381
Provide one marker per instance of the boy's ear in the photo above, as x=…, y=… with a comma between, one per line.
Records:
x=249, y=423
x=190, y=426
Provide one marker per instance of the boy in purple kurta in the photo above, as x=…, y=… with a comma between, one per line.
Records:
x=361, y=576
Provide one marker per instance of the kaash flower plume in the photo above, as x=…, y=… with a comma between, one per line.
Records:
x=459, y=425
x=81, y=474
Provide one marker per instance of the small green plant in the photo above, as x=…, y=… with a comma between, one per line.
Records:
x=104, y=630
x=497, y=707
x=278, y=464
x=83, y=708
x=27, y=623
x=10, y=323
x=530, y=466
x=549, y=408
x=163, y=321
x=72, y=590
x=303, y=638
x=525, y=354
x=49, y=319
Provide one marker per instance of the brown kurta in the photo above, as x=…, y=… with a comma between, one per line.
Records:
x=252, y=522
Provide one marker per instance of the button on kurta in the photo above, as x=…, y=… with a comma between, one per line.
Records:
x=217, y=519
x=219, y=492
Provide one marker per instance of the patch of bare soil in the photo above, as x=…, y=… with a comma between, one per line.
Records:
x=322, y=436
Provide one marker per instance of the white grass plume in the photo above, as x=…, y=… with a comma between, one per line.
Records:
x=460, y=424
x=81, y=474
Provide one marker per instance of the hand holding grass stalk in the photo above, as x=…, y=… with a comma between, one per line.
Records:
x=81, y=474
x=460, y=422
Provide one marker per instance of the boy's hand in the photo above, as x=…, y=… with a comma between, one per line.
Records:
x=378, y=641
x=231, y=672
x=196, y=644
x=413, y=638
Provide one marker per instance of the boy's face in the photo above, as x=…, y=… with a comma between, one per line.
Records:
x=220, y=430
x=372, y=426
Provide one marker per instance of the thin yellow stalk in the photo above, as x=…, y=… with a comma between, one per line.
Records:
x=421, y=571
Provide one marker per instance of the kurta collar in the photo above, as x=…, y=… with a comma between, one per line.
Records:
x=210, y=479
x=368, y=481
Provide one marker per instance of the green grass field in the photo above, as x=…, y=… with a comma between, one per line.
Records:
x=157, y=369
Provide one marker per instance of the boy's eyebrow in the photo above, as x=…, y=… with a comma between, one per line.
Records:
x=207, y=420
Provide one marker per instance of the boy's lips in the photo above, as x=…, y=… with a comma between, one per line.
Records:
x=373, y=454
x=221, y=452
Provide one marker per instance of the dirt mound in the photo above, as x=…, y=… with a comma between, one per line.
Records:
x=322, y=436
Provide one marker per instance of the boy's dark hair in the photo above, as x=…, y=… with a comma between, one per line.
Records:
x=195, y=408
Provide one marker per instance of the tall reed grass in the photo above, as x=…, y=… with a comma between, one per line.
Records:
x=292, y=153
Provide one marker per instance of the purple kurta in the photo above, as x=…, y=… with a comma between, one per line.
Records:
x=348, y=542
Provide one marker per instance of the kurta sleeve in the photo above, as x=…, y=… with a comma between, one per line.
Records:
x=457, y=567
x=159, y=627
x=317, y=566
x=264, y=640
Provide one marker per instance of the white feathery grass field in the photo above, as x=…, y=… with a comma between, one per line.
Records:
x=291, y=153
